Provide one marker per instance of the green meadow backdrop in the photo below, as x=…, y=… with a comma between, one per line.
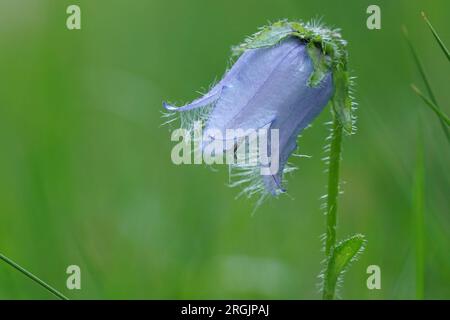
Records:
x=86, y=177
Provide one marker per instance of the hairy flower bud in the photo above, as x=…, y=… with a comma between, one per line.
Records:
x=284, y=77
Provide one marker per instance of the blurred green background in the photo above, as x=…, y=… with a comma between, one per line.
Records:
x=86, y=176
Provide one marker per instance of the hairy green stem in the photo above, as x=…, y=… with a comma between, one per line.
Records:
x=331, y=208
x=33, y=277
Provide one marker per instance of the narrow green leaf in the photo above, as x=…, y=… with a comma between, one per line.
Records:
x=33, y=277
x=340, y=259
x=419, y=216
x=418, y=63
x=436, y=36
x=425, y=79
x=441, y=115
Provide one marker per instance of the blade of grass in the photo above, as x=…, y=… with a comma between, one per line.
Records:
x=433, y=106
x=419, y=216
x=425, y=79
x=33, y=277
x=436, y=36
x=418, y=63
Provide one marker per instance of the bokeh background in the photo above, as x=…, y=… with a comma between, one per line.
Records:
x=86, y=176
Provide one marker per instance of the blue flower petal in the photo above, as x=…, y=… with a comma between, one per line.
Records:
x=267, y=87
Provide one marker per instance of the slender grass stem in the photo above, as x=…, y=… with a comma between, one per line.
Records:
x=425, y=80
x=333, y=193
x=433, y=106
x=33, y=277
x=436, y=36
x=419, y=217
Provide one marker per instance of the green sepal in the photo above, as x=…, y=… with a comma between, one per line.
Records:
x=328, y=53
x=266, y=37
x=321, y=64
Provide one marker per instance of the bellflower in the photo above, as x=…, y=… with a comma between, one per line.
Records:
x=283, y=78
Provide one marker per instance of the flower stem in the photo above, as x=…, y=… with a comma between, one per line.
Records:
x=33, y=277
x=333, y=193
